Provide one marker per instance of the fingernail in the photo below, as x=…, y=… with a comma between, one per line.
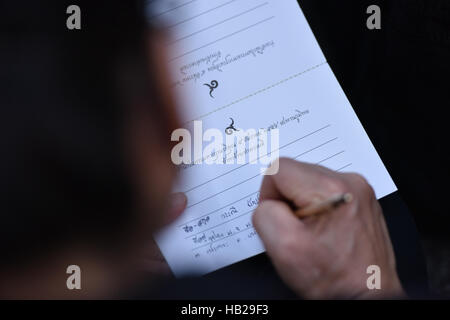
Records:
x=178, y=201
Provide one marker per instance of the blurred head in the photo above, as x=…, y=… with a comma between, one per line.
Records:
x=86, y=122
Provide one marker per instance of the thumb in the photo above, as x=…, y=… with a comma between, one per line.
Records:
x=276, y=223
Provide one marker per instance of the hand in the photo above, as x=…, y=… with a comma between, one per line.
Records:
x=153, y=261
x=325, y=256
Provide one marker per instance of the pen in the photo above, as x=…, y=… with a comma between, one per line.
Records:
x=324, y=206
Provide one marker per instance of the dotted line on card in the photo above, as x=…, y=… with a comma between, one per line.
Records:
x=257, y=92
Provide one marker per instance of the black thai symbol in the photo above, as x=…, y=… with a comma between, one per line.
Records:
x=212, y=86
x=229, y=130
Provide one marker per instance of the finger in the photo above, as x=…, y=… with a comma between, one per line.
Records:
x=301, y=183
x=275, y=222
x=177, y=205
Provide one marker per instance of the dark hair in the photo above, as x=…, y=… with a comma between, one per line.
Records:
x=63, y=173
